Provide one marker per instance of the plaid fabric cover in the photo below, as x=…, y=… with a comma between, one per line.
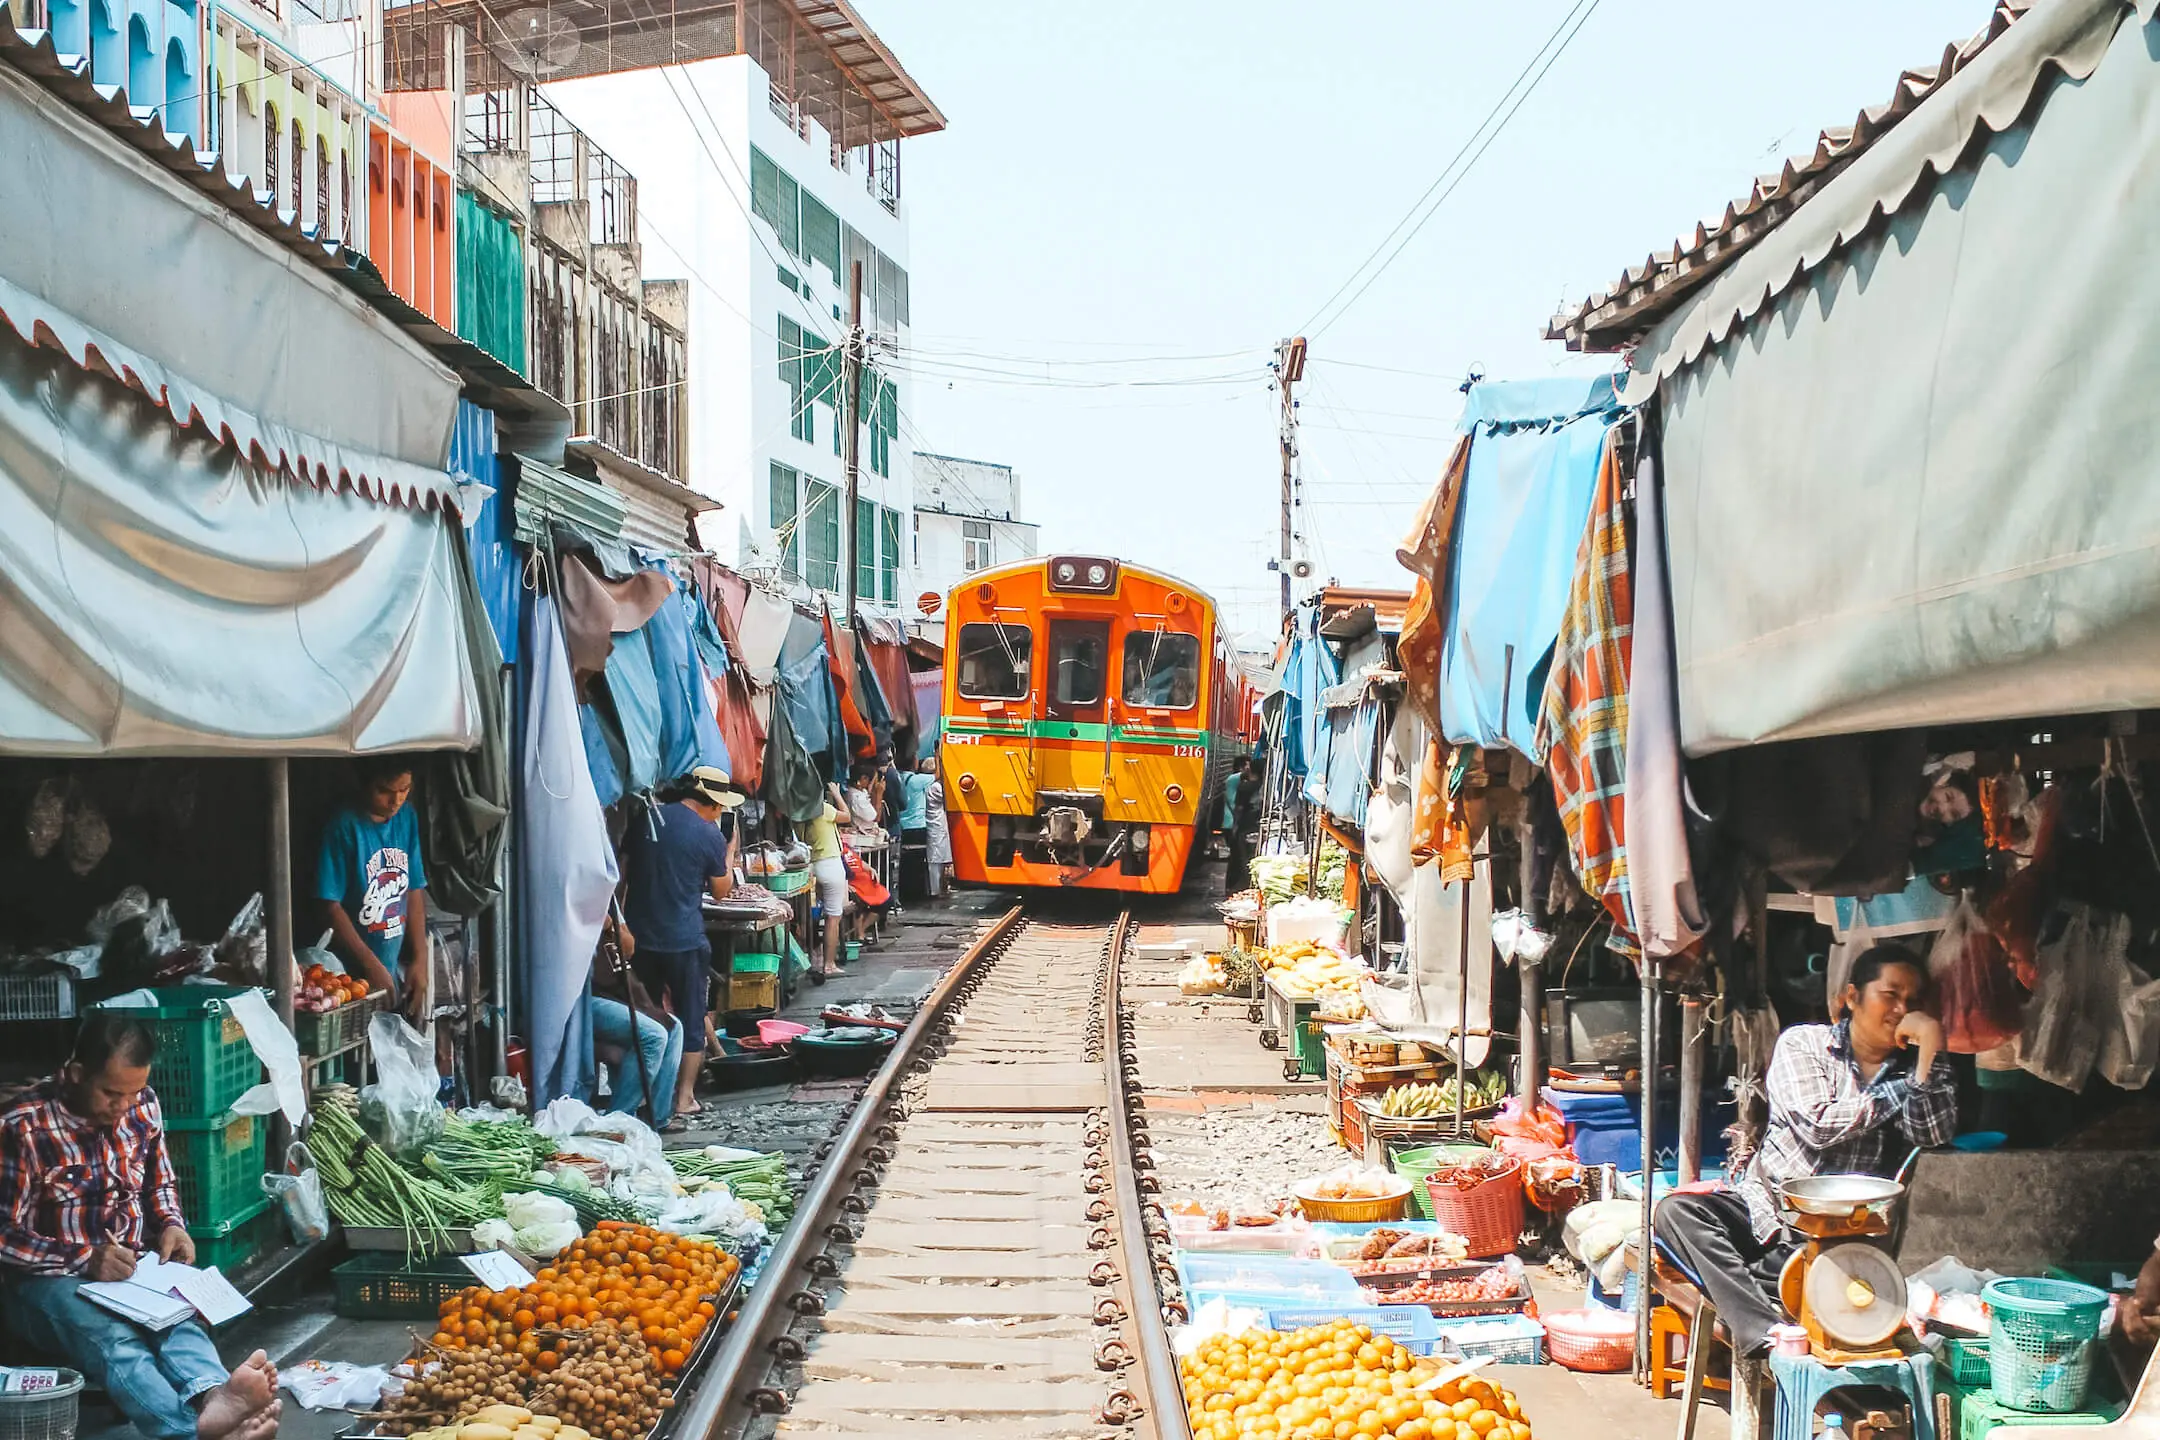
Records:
x=1582, y=726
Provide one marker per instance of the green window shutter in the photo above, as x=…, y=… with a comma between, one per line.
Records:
x=821, y=546
x=866, y=548
x=821, y=236
x=889, y=557
x=790, y=222
x=490, y=281
x=785, y=516
x=794, y=368
x=765, y=180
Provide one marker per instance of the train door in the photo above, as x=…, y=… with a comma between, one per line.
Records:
x=1073, y=726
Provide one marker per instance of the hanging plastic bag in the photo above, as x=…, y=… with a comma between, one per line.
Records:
x=2130, y=1048
x=1977, y=998
x=400, y=1110
x=300, y=1192
x=2071, y=1008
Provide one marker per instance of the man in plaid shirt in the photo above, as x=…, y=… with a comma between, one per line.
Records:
x=1845, y=1099
x=86, y=1189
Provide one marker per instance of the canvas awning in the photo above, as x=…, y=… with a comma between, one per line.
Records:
x=224, y=509
x=1909, y=445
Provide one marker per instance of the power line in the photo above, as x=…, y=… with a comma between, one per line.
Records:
x=1510, y=101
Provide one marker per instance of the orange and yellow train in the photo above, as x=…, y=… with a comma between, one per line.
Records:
x=1092, y=710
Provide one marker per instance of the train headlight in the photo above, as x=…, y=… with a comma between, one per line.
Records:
x=1067, y=572
x=1097, y=574
x=1173, y=793
x=1139, y=838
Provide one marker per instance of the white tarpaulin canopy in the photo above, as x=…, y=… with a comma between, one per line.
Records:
x=1912, y=459
x=225, y=524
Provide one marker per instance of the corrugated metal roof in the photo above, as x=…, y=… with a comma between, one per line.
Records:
x=1616, y=317
x=487, y=381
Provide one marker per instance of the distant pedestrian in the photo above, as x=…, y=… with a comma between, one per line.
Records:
x=1245, y=826
x=675, y=855
x=914, y=825
x=937, y=851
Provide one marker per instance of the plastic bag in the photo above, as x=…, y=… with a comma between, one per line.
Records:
x=244, y=951
x=299, y=1190
x=400, y=1110
x=334, y=1384
x=130, y=904
x=1528, y=1137
x=1977, y=998
x=2130, y=1047
x=47, y=818
x=2071, y=1007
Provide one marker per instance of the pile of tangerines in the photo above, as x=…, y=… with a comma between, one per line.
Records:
x=659, y=1286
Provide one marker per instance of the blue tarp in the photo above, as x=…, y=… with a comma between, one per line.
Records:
x=636, y=692
x=689, y=736
x=1351, y=731
x=1526, y=501
x=1309, y=671
x=806, y=689
x=495, y=563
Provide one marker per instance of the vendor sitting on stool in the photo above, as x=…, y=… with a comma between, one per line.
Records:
x=1845, y=1099
x=86, y=1189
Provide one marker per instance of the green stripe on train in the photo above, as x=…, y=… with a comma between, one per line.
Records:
x=1072, y=730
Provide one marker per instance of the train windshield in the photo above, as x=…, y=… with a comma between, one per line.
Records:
x=995, y=661
x=1079, y=662
x=1162, y=670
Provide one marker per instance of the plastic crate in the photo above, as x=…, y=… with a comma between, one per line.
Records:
x=219, y=1165
x=747, y=993
x=327, y=1032
x=1981, y=1414
x=47, y=994
x=1967, y=1362
x=1500, y=1339
x=1410, y=1326
x=1310, y=1048
x=1264, y=1274
x=204, y=1061
x=232, y=1242
x=755, y=962
x=381, y=1286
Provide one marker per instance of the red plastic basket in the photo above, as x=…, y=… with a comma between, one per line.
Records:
x=1489, y=1215
x=1591, y=1340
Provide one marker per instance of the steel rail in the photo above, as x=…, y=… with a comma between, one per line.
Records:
x=720, y=1404
x=1166, y=1391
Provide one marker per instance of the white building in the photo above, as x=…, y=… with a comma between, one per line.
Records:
x=748, y=187
x=967, y=518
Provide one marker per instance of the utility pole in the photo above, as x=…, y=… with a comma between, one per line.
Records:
x=1289, y=370
x=851, y=384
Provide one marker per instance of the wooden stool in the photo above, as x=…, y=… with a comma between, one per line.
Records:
x=1687, y=1303
x=1669, y=1350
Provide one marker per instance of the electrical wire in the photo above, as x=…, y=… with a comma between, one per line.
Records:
x=1510, y=101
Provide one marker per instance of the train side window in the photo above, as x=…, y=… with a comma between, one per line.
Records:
x=995, y=661
x=1079, y=662
x=1162, y=669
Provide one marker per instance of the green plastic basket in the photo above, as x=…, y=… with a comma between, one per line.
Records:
x=233, y=1242
x=1311, y=1048
x=1415, y=1165
x=2042, y=1337
x=219, y=1164
x=382, y=1286
x=1967, y=1361
x=204, y=1061
x=755, y=962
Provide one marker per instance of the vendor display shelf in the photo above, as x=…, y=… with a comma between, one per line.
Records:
x=324, y=1034
x=217, y=1165
x=230, y=1243
x=204, y=1061
x=38, y=994
x=379, y=1286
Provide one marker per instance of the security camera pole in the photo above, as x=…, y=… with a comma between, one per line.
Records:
x=1289, y=369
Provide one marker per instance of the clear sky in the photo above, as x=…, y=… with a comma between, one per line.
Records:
x=1135, y=201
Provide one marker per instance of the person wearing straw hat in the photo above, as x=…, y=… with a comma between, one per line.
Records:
x=675, y=854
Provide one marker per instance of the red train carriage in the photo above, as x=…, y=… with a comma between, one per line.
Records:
x=1091, y=715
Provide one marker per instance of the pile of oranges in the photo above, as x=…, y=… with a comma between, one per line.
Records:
x=1336, y=1382
x=660, y=1286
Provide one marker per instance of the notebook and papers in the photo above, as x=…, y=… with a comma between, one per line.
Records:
x=162, y=1293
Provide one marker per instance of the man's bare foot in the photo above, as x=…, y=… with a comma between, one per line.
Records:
x=246, y=1392
x=262, y=1425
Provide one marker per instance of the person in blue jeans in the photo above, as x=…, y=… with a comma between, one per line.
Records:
x=623, y=1016
x=87, y=1191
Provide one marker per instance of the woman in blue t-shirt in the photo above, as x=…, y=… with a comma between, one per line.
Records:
x=373, y=886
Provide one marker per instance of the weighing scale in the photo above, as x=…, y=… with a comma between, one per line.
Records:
x=1843, y=1285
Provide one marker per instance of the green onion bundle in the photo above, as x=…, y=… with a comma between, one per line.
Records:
x=366, y=1187
x=761, y=1180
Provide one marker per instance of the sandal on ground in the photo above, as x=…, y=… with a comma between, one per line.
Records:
x=675, y=1126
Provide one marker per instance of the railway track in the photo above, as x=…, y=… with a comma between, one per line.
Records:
x=974, y=1258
